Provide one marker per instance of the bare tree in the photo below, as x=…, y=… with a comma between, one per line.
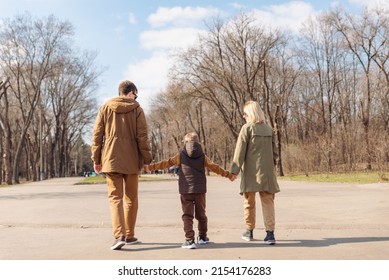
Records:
x=322, y=51
x=29, y=46
x=69, y=93
x=326, y=100
x=50, y=95
x=225, y=68
x=365, y=37
x=175, y=113
x=280, y=77
x=6, y=140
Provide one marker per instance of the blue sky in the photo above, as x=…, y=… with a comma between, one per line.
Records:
x=133, y=37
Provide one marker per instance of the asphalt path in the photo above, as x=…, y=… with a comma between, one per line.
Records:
x=60, y=220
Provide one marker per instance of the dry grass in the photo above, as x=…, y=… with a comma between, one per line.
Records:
x=349, y=177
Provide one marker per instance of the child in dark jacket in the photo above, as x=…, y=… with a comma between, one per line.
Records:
x=192, y=183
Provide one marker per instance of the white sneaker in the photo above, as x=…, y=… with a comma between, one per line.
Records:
x=203, y=240
x=248, y=235
x=189, y=244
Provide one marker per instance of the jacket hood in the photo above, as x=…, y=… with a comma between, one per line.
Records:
x=193, y=149
x=121, y=104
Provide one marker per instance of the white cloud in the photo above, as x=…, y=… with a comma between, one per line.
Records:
x=181, y=16
x=371, y=4
x=150, y=75
x=171, y=28
x=237, y=6
x=368, y=2
x=169, y=38
x=178, y=27
x=288, y=16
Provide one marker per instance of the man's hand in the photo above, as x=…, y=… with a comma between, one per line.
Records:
x=146, y=168
x=97, y=168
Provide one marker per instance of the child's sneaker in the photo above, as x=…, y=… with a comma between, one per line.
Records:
x=203, y=240
x=248, y=235
x=189, y=244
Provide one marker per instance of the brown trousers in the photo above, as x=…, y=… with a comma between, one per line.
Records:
x=193, y=206
x=123, y=201
x=267, y=201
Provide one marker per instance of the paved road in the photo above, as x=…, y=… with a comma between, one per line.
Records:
x=58, y=220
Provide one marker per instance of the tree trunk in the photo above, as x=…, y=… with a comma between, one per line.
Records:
x=7, y=137
x=277, y=126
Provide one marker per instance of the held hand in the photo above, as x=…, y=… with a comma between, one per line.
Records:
x=97, y=168
x=232, y=177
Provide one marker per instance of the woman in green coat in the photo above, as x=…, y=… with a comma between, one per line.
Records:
x=255, y=156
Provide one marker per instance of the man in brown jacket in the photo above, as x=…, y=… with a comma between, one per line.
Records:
x=120, y=147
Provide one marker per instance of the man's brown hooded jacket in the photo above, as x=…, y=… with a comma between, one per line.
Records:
x=120, y=141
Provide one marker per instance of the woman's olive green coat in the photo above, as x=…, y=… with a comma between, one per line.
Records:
x=255, y=156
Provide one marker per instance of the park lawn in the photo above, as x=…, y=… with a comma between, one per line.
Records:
x=99, y=179
x=351, y=177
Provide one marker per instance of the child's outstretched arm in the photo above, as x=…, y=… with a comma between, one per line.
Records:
x=164, y=164
x=218, y=170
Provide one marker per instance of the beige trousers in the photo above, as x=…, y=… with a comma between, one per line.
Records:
x=123, y=201
x=267, y=201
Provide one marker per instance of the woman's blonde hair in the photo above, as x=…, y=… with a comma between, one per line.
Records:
x=253, y=112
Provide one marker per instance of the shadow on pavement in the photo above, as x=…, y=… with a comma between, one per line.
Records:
x=331, y=241
x=280, y=243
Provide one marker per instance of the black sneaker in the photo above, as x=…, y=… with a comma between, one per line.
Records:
x=270, y=239
x=203, y=240
x=133, y=240
x=118, y=243
x=248, y=235
x=189, y=244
